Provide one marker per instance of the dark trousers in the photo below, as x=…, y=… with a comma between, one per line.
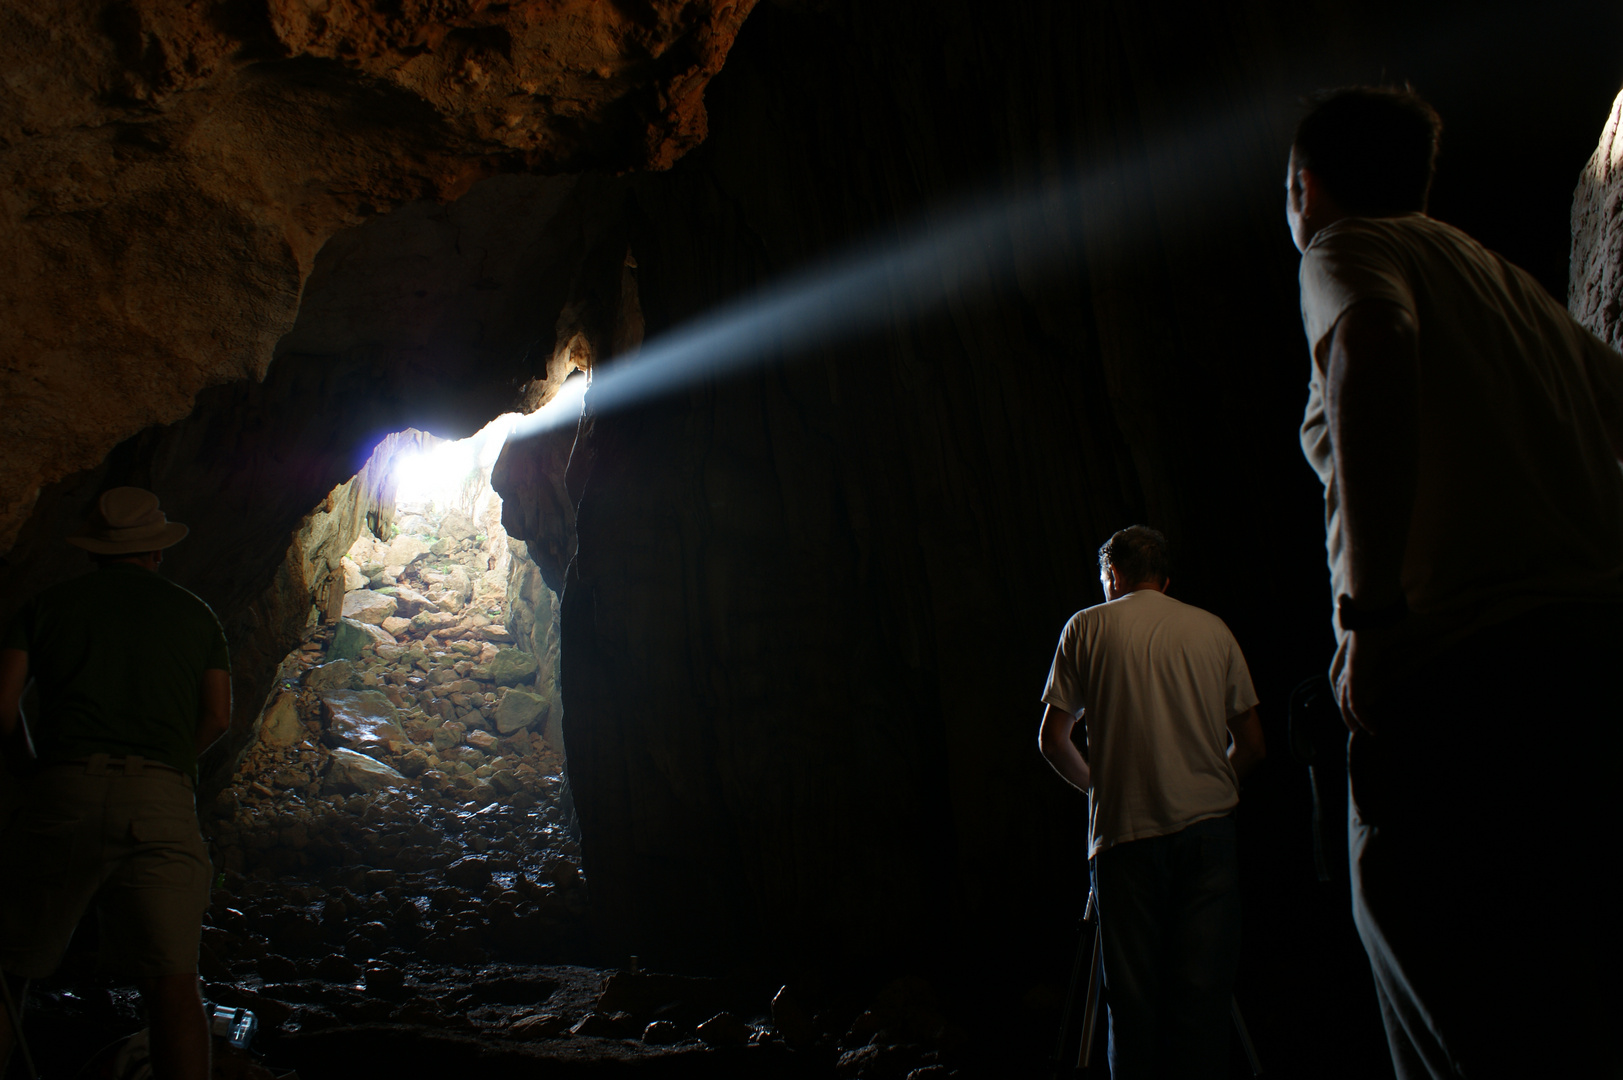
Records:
x=1169, y=922
x=1484, y=853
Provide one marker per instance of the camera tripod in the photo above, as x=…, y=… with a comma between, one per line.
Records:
x=1062, y=1065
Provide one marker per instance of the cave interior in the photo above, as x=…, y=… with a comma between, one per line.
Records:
x=781, y=367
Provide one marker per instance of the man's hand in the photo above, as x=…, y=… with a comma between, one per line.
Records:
x=1249, y=747
x=1364, y=677
x=1054, y=740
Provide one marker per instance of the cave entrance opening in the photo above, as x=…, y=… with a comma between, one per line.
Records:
x=404, y=802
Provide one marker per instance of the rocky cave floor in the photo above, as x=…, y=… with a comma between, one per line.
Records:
x=400, y=894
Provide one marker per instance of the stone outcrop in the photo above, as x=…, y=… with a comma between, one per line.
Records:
x=173, y=170
x=1595, y=282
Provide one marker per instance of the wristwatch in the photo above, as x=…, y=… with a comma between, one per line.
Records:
x=1354, y=618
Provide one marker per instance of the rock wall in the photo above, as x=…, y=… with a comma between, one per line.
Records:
x=171, y=172
x=1595, y=289
x=532, y=619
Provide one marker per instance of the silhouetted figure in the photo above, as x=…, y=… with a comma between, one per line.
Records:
x=133, y=682
x=1160, y=686
x=1468, y=433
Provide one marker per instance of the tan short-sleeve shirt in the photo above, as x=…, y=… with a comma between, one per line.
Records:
x=1157, y=681
x=1519, y=497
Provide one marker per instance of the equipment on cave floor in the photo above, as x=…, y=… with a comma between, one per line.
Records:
x=1318, y=739
x=1084, y=1035
x=236, y=1026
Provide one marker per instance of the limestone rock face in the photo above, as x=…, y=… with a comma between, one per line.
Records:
x=1595, y=281
x=172, y=172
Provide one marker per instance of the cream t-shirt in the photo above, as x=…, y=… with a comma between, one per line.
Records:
x=1519, y=502
x=1159, y=681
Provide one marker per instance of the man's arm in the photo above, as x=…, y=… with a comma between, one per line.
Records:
x=1248, y=747
x=1054, y=740
x=1372, y=403
x=15, y=747
x=214, y=717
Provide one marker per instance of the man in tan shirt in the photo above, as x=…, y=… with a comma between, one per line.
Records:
x=1160, y=686
x=1468, y=433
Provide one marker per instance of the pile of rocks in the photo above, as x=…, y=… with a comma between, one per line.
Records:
x=410, y=748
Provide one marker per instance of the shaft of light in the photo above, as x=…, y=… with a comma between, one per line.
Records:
x=956, y=253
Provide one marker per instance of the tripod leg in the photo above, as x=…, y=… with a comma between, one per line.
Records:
x=1090, y=1011
x=1245, y=1038
x=1066, y=1017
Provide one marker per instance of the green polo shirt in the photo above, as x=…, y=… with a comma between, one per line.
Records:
x=118, y=656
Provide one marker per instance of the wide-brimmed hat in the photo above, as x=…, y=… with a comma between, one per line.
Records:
x=127, y=521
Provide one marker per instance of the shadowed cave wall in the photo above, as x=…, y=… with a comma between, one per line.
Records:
x=810, y=608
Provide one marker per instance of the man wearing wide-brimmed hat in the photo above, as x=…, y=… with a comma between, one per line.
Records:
x=133, y=682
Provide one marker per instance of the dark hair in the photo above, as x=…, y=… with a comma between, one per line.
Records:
x=1139, y=552
x=1374, y=148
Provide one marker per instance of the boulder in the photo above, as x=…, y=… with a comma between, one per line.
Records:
x=410, y=602
x=518, y=709
x=349, y=773
x=415, y=763
x=281, y=726
x=336, y=675
x=367, y=551
x=353, y=577
x=458, y=581
x=361, y=720
x=395, y=625
x=542, y=1026
x=403, y=549
x=457, y=526
x=351, y=637
x=724, y=1029
x=494, y=632
x=512, y=667
x=432, y=620
x=366, y=606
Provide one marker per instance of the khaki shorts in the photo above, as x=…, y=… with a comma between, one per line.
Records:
x=121, y=835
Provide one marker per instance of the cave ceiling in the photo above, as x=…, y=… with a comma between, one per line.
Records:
x=171, y=171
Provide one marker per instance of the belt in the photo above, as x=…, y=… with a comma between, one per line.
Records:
x=102, y=764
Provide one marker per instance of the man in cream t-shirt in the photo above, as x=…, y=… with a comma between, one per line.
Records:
x=1160, y=686
x=1468, y=433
